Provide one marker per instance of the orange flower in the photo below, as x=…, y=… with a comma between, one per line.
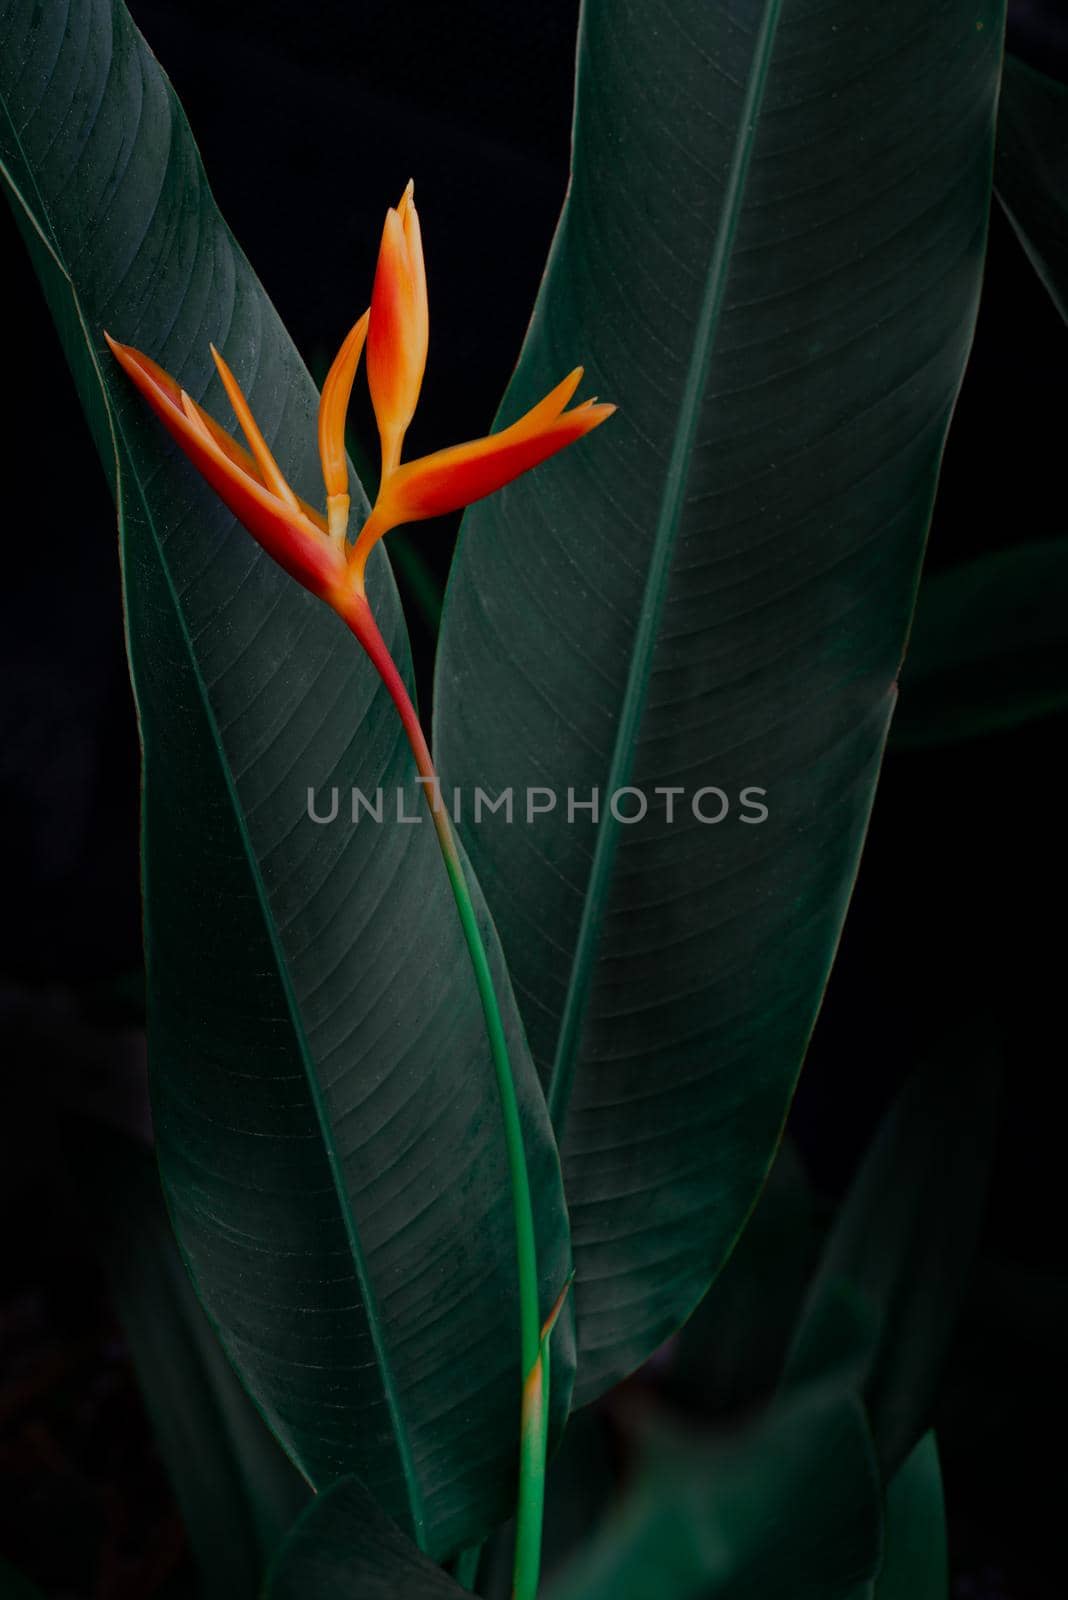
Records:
x=314, y=549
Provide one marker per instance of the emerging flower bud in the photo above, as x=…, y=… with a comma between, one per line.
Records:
x=399, y=329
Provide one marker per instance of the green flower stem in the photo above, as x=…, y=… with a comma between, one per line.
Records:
x=534, y=1342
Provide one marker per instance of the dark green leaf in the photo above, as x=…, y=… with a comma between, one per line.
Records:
x=238, y=1493
x=1031, y=177
x=884, y=1301
x=989, y=647
x=730, y=1354
x=345, y=1548
x=770, y=258
x=326, y=1114
x=915, y=1560
x=789, y=1509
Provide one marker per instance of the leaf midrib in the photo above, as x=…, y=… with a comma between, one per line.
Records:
x=667, y=527
x=118, y=436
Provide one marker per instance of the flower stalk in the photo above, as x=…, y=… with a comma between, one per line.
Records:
x=534, y=1341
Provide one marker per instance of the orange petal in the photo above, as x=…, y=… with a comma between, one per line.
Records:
x=449, y=479
x=289, y=534
x=270, y=471
x=456, y=477
x=398, y=332
x=333, y=409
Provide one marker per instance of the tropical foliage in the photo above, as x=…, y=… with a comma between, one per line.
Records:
x=684, y=636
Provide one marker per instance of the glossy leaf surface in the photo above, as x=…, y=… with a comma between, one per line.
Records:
x=325, y=1106
x=770, y=258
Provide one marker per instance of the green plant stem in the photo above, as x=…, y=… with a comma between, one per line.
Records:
x=534, y=1343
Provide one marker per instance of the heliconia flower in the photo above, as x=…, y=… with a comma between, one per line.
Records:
x=314, y=548
x=316, y=551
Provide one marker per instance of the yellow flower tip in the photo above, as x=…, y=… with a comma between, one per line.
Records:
x=407, y=199
x=337, y=512
x=272, y=473
x=553, y=406
x=334, y=406
x=558, y=1305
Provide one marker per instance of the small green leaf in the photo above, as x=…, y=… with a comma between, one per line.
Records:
x=989, y=647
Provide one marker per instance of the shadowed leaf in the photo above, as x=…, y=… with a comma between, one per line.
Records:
x=237, y=1492
x=885, y=1298
x=345, y=1548
x=989, y=647
x=788, y=1509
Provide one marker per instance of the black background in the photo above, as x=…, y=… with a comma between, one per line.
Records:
x=311, y=116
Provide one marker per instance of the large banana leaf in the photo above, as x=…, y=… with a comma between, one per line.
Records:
x=770, y=258
x=325, y=1107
